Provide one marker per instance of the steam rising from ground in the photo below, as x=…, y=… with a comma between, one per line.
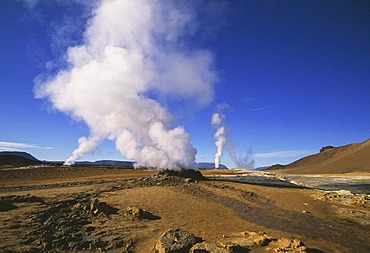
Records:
x=133, y=53
x=222, y=138
x=217, y=121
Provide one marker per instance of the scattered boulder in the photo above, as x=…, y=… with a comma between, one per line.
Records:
x=245, y=239
x=290, y=245
x=345, y=197
x=97, y=207
x=67, y=227
x=175, y=240
x=179, y=241
x=203, y=247
x=138, y=213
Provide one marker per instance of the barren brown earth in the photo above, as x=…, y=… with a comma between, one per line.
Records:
x=332, y=160
x=90, y=209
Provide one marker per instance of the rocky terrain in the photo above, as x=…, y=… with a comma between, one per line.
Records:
x=105, y=210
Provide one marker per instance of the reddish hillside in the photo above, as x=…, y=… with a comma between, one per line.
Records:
x=344, y=159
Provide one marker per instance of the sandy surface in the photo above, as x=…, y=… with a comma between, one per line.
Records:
x=48, y=174
x=209, y=209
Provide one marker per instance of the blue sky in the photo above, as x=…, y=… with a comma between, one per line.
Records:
x=295, y=76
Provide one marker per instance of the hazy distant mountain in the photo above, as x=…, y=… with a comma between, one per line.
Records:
x=17, y=158
x=209, y=166
x=115, y=163
x=261, y=168
x=107, y=163
x=344, y=159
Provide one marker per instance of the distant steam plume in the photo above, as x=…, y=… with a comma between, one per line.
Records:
x=222, y=139
x=217, y=121
x=133, y=53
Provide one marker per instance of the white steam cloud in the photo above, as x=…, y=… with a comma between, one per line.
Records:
x=133, y=53
x=222, y=139
x=218, y=121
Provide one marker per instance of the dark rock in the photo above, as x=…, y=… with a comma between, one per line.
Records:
x=22, y=199
x=184, y=173
x=6, y=206
x=175, y=240
x=97, y=207
x=323, y=149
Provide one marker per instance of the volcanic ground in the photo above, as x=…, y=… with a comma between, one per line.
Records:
x=90, y=209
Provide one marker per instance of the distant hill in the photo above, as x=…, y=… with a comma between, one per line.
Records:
x=261, y=168
x=209, y=166
x=109, y=163
x=344, y=159
x=16, y=158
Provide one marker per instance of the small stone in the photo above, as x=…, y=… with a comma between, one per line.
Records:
x=188, y=180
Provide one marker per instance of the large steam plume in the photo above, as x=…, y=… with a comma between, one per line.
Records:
x=222, y=139
x=133, y=53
